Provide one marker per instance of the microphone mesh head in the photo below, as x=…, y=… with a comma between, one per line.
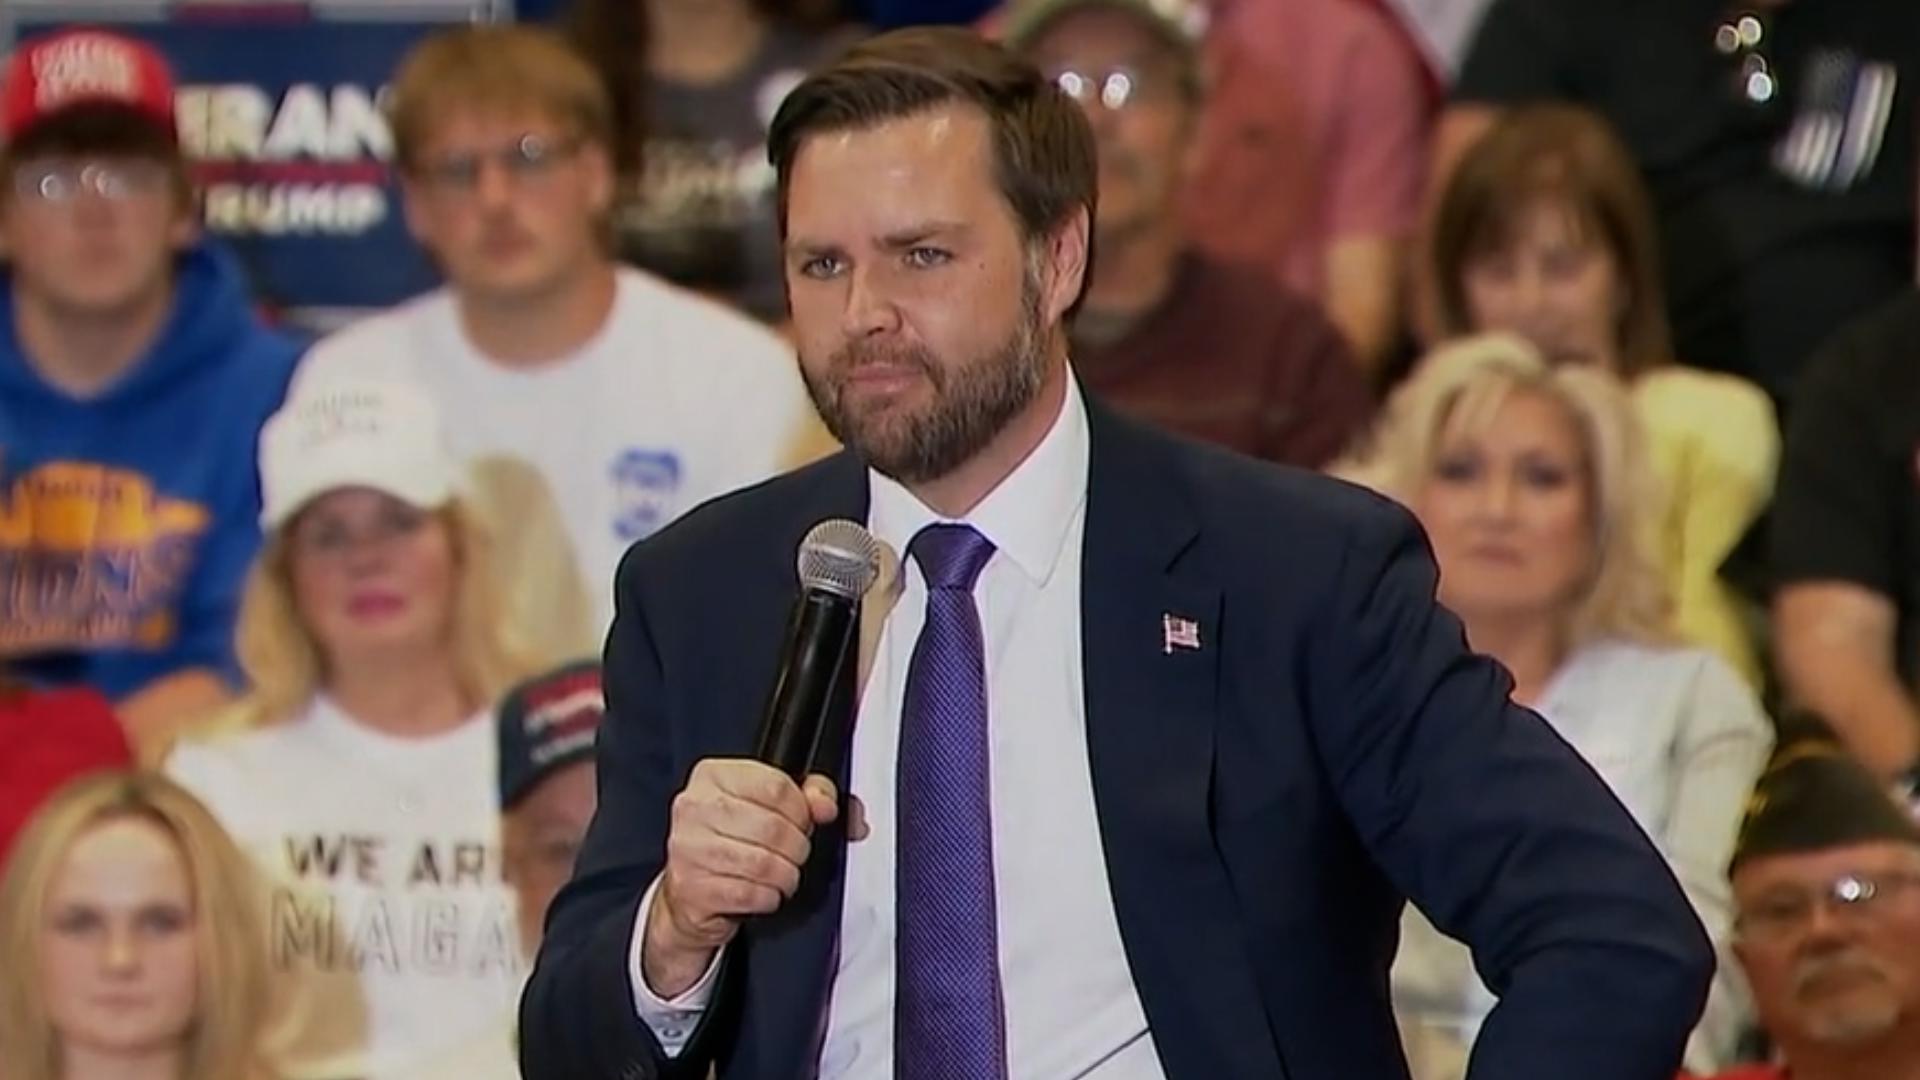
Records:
x=840, y=557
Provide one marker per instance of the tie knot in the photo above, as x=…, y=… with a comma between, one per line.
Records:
x=950, y=556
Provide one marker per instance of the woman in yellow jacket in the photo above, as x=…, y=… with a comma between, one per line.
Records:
x=1546, y=229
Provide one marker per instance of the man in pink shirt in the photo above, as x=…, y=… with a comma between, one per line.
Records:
x=1311, y=152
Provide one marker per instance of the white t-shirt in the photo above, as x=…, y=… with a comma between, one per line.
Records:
x=678, y=399
x=492, y=1056
x=391, y=932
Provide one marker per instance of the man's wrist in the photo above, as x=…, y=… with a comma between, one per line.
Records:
x=670, y=964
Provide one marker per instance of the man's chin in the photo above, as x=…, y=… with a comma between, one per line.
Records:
x=1852, y=1017
x=509, y=284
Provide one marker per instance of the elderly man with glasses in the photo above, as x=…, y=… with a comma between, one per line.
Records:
x=1215, y=350
x=1826, y=882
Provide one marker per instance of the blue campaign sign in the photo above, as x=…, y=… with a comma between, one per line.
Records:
x=282, y=118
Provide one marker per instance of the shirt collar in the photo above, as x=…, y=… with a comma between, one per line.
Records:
x=1026, y=517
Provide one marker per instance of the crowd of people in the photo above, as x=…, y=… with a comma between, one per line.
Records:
x=300, y=635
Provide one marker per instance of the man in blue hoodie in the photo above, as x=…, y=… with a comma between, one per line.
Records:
x=134, y=378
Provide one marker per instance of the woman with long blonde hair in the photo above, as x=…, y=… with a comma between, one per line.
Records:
x=360, y=773
x=132, y=934
x=1532, y=482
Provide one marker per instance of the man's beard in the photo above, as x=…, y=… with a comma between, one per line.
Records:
x=973, y=401
x=1866, y=1014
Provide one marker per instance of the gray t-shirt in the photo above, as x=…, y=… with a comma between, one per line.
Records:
x=703, y=212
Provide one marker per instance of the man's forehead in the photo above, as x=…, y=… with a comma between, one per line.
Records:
x=566, y=789
x=1799, y=866
x=932, y=136
x=871, y=182
x=1106, y=33
x=458, y=123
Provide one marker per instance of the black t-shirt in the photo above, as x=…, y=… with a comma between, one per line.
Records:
x=704, y=214
x=1847, y=506
x=1779, y=221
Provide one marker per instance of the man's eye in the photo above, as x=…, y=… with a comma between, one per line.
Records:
x=924, y=257
x=821, y=268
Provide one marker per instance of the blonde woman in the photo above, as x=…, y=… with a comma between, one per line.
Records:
x=361, y=773
x=133, y=945
x=1532, y=483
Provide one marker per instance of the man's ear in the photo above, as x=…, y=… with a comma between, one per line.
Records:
x=602, y=181
x=1192, y=153
x=410, y=212
x=1066, y=262
x=1739, y=950
x=186, y=229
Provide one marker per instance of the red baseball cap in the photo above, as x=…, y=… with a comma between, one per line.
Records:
x=52, y=74
x=46, y=739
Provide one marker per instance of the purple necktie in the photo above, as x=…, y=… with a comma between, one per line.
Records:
x=949, y=1021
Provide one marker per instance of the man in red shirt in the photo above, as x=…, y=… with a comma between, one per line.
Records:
x=1309, y=154
x=1826, y=886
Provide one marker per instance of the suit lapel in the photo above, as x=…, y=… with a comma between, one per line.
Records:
x=1152, y=698
x=787, y=965
x=1152, y=641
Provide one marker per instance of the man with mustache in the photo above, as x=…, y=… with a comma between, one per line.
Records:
x=1152, y=741
x=632, y=399
x=1826, y=885
x=1215, y=350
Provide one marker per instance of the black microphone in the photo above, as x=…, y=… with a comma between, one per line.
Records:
x=838, y=562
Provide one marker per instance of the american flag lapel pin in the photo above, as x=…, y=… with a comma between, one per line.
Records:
x=1178, y=632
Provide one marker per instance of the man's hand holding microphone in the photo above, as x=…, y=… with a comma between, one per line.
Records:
x=742, y=829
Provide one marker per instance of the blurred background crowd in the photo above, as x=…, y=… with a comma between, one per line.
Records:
x=302, y=585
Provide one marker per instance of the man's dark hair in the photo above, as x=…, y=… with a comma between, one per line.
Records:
x=1043, y=150
x=103, y=130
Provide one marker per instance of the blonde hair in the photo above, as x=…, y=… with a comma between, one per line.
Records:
x=534, y=557
x=283, y=662
x=1457, y=392
x=497, y=68
x=224, y=1039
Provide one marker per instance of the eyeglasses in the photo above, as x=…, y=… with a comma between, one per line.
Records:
x=530, y=159
x=63, y=182
x=1744, y=36
x=1117, y=88
x=1780, y=916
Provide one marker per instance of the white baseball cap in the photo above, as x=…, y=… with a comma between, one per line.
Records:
x=380, y=435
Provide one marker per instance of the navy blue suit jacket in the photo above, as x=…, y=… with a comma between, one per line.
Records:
x=1265, y=801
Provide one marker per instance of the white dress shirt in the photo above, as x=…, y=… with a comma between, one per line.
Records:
x=1071, y=1007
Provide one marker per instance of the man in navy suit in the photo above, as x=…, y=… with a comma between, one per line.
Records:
x=1149, y=741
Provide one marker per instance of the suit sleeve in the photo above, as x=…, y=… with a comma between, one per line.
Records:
x=1499, y=832
x=577, y=1016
